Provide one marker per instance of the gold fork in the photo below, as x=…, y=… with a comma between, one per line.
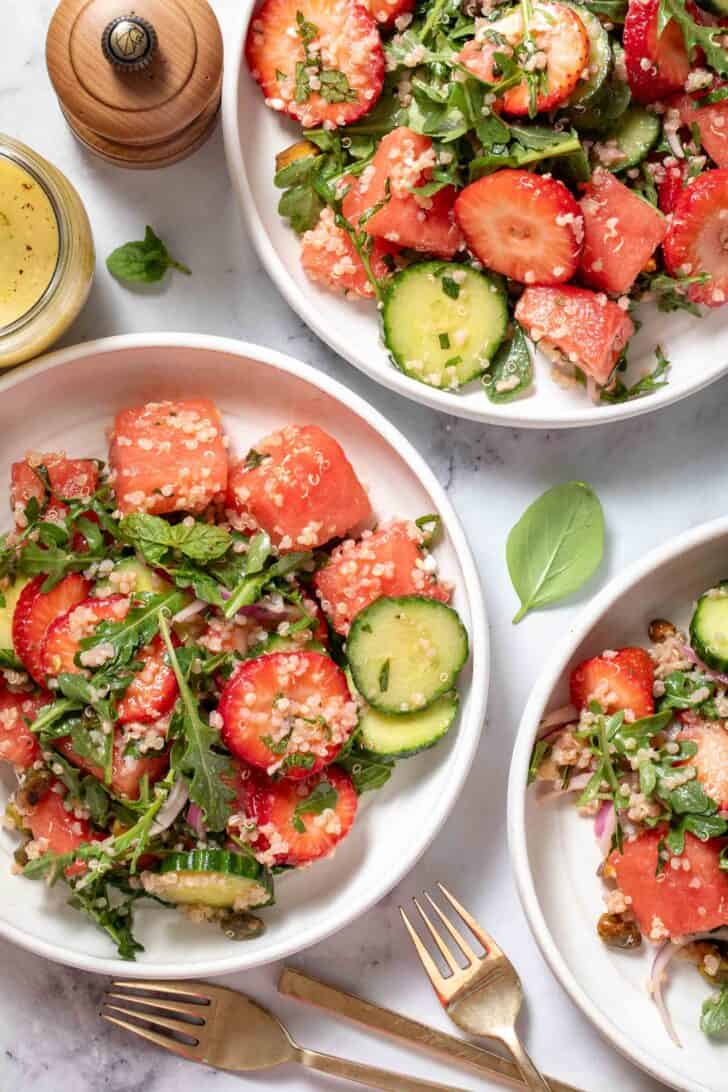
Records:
x=221, y=1028
x=485, y=996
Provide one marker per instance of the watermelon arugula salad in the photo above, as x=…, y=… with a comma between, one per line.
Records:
x=643, y=748
x=205, y=661
x=488, y=172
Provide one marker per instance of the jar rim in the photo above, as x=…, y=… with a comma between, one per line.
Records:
x=15, y=154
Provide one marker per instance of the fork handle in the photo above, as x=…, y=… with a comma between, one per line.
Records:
x=534, y=1081
x=369, y=1075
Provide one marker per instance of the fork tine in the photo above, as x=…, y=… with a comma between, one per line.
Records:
x=180, y=1026
x=164, y=1041
x=167, y=1006
x=431, y=969
x=442, y=946
x=475, y=927
x=456, y=936
x=185, y=989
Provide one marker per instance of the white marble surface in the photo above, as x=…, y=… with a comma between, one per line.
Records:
x=656, y=475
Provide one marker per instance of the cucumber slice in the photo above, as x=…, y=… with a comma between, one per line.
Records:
x=636, y=134
x=409, y=733
x=443, y=322
x=140, y=575
x=405, y=652
x=600, y=59
x=11, y=596
x=211, y=877
x=709, y=627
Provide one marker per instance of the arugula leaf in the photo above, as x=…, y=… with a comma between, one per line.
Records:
x=251, y=587
x=680, y=690
x=649, y=383
x=714, y=1016
x=556, y=545
x=322, y=796
x=614, y=11
x=696, y=36
x=194, y=756
x=541, y=750
x=131, y=633
x=511, y=371
x=366, y=770
x=143, y=261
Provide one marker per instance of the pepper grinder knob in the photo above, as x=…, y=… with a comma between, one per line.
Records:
x=128, y=43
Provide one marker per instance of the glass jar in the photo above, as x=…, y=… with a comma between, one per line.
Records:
x=47, y=262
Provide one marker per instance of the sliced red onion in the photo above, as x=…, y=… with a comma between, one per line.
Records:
x=605, y=822
x=194, y=818
x=170, y=809
x=658, y=977
x=567, y=714
x=716, y=676
x=190, y=611
x=263, y=614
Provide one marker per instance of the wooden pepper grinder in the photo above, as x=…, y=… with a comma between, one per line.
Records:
x=139, y=86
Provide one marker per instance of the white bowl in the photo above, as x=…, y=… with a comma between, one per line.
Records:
x=66, y=401
x=554, y=850
x=697, y=348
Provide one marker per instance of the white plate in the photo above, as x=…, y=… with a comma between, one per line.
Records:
x=66, y=401
x=554, y=850
x=698, y=348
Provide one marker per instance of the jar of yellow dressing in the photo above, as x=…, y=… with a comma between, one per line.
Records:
x=46, y=253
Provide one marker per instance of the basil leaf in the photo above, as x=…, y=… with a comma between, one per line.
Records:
x=511, y=372
x=144, y=261
x=556, y=545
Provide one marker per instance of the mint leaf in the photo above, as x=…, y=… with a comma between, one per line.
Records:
x=321, y=797
x=143, y=261
x=153, y=536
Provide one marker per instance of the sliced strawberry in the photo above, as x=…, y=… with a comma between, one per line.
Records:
x=286, y=833
x=388, y=561
x=129, y=763
x=579, y=326
x=168, y=457
x=657, y=64
x=36, y=610
x=287, y=712
x=526, y=226
x=671, y=186
x=712, y=123
x=18, y=709
x=62, y=641
x=619, y=681
x=153, y=691
x=621, y=233
x=711, y=759
x=303, y=491
x=692, y=898
x=697, y=241
x=69, y=479
x=387, y=12
x=329, y=258
x=320, y=61
x=559, y=58
x=404, y=161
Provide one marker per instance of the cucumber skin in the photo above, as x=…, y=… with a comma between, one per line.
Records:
x=217, y=862
x=404, y=601
x=437, y=266
x=586, y=95
x=409, y=752
x=710, y=658
x=646, y=146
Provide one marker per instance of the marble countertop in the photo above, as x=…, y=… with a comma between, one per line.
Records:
x=656, y=475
